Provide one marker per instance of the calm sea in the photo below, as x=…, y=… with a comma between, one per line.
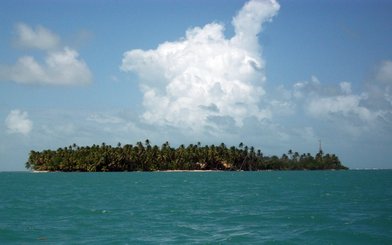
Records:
x=303, y=207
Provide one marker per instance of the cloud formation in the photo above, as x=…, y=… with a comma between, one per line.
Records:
x=384, y=72
x=204, y=77
x=347, y=105
x=18, y=122
x=331, y=101
x=36, y=38
x=60, y=67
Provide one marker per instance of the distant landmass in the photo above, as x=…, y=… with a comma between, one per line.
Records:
x=147, y=157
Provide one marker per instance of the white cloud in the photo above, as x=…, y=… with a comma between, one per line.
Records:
x=345, y=87
x=384, y=75
x=60, y=66
x=248, y=23
x=379, y=89
x=321, y=100
x=388, y=95
x=341, y=105
x=18, y=122
x=300, y=89
x=384, y=72
x=105, y=118
x=38, y=38
x=183, y=80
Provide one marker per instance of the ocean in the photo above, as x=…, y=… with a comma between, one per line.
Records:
x=277, y=207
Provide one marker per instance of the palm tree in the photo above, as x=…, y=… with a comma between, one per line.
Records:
x=148, y=158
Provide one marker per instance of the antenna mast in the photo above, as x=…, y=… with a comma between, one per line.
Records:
x=320, y=148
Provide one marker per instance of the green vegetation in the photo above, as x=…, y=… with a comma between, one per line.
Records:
x=145, y=157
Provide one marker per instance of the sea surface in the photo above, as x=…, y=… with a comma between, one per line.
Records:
x=278, y=207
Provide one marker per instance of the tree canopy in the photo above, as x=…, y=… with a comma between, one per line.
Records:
x=147, y=157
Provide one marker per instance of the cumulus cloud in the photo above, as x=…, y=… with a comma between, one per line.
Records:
x=248, y=23
x=340, y=105
x=321, y=101
x=384, y=77
x=345, y=87
x=205, y=76
x=300, y=89
x=38, y=37
x=379, y=91
x=384, y=72
x=60, y=66
x=18, y=122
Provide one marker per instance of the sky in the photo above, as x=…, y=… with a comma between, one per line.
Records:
x=276, y=75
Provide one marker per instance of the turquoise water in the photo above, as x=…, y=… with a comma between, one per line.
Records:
x=303, y=207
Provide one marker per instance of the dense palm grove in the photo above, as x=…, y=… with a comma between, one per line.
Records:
x=146, y=157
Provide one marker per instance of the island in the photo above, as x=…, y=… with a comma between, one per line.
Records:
x=147, y=157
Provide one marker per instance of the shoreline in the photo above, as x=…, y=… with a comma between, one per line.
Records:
x=194, y=171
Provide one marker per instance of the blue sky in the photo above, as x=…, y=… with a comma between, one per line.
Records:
x=275, y=75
